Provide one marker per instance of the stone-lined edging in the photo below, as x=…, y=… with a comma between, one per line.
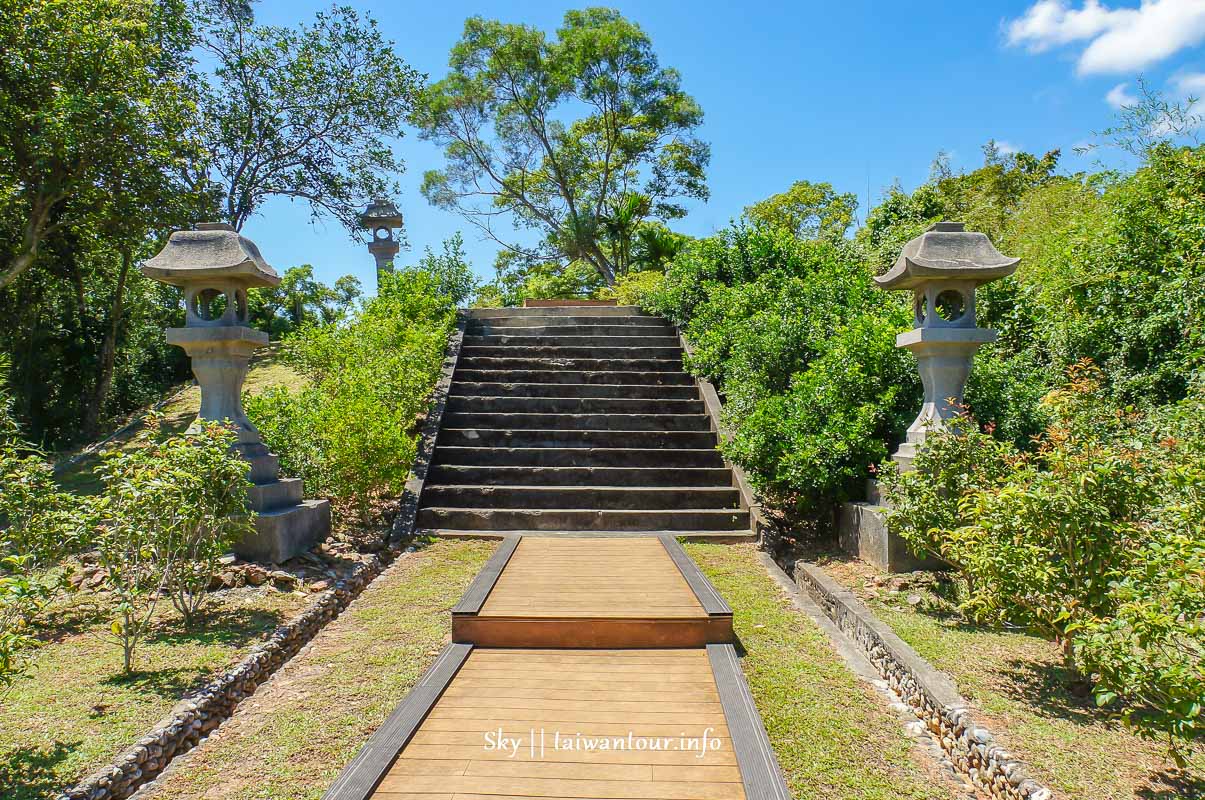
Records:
x=930, y=694
x=198, y=714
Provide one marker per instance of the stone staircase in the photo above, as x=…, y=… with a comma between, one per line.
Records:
x=576, y=420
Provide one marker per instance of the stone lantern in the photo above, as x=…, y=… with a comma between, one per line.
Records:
x=215, y=267
x=942, y=268
x=381, y=218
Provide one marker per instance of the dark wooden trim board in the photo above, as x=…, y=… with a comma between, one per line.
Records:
x=711, y=600
x=360, y=778
x=403, y=523
x=760, y=772
x=474, y=597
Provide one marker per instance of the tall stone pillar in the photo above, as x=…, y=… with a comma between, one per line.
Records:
x=215, y=267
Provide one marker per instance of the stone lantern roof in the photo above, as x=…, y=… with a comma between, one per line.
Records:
x=381, y=213
x=214, y=250
x=946, y=251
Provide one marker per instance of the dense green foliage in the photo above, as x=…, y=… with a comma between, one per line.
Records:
x=300, y=298
x=35, y=532
x=582, y=137
x=121, y=120
x=801, y=346
x=350, y=434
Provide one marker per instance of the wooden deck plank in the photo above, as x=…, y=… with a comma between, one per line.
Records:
x=584, y=697
x=632, y=577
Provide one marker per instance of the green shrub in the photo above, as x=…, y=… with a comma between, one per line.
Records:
x=169, y=508
x=37, y=528
x=350, y=434
x=1095, y=540
x=633, y=289
x=801, y=346
x=925, y=503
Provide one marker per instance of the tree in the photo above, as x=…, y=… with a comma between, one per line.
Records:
x=302, y=113
x=808, y=210
x=92, y=104
x=502, y=116
x=303, y=298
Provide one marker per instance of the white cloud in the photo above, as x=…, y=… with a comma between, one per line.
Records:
x=1118, y=39
x=1190, y=84
x=1006, y=148
x=1120, y=96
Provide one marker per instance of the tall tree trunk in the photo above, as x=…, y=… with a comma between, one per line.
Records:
x=31, y=237
x=108, y=350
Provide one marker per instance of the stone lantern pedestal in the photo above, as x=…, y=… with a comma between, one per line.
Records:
x=942, y=268
x=216, y=266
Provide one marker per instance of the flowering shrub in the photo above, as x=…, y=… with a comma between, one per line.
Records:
x=1096, y=540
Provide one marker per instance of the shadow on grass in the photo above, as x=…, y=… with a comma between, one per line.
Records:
x=233, y=628
x=229, y=627
x=1172, y=784
x=28, y=773
x=1051, y=689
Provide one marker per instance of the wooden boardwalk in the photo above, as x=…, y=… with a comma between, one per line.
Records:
x=594, y=593
x=583, y=669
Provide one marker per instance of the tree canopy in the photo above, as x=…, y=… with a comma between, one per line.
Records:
x=579, y=137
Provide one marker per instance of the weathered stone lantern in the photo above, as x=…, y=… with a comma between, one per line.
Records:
x=942, y=267
x=215, y=267
x=382, y=218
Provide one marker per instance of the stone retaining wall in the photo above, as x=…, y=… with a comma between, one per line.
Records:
x=930, y=694
x=197, y=715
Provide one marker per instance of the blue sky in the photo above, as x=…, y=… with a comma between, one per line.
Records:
x=857, y=93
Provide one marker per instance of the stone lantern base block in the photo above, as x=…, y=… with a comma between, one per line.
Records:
x=283, y=533
x=862, y=532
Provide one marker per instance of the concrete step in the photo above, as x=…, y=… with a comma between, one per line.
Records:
x=539, y=519
x=277, y=494
x=468, y=374
x=673, y=353
x=583, y=457
x=581, y=497
x=579, y=422
x=573, y=364
x=712, y=537
x=624, y=340
x=638, y=326
x=574, y=390
x=451, y=474
x=558, y=312
x=490, y=437
x=629, y=322
x=573, y=405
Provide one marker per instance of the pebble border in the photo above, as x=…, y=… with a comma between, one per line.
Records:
x=199, y=714
x=928, y=693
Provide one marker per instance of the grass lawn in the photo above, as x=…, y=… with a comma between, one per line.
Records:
x=291, y=739
x=834, y=736
x=1019, y=683
x=76, y=710
x=179, y=411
